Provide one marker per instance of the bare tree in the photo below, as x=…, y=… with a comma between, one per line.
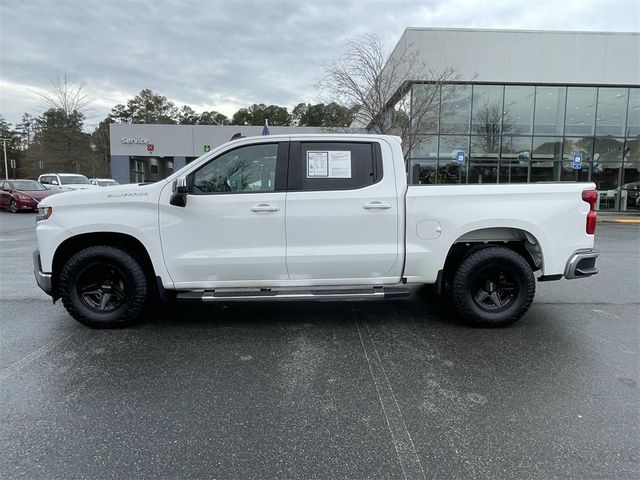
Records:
x=379, y=87
x=67, y=96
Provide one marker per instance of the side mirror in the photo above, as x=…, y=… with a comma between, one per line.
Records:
x=180, y=192
x=54, y=182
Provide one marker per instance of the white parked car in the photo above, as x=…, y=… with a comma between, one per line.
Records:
x=310, y=217
x=103, y=182
x=65, y=182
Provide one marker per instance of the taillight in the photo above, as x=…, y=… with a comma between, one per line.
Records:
x=591, y=197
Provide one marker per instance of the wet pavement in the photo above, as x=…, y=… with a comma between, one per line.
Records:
x=395, y=389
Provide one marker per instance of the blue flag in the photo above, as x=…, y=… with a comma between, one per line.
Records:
x=265, y=129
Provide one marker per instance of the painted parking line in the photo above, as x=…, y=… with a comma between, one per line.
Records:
x=626, y=220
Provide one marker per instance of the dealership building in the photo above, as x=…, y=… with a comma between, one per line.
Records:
x=147, y=153
x=525, y=106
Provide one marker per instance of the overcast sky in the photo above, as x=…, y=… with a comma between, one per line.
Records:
x=223, y=55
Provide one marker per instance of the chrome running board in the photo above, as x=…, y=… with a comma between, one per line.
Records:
x=267, y=294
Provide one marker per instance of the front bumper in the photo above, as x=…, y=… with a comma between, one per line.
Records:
x=42, y=279
x=30, y=204
x=582, y=264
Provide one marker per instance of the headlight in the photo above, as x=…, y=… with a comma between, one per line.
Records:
x=44, y=213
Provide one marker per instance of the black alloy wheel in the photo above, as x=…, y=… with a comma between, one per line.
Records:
x=104, y=287
x=493, y=287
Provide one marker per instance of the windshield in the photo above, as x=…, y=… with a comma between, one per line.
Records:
x=107, y=183
x=74, y=180
x=28, y=185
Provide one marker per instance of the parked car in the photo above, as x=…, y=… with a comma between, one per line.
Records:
x=310, y=217
x=65, y=181
x=632, y=190
x=628, y=195
x=19, y=195
x=103, y=182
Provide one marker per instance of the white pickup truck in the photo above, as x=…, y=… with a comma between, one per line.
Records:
x=309, y=217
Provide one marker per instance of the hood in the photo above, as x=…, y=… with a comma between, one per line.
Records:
x=37, y=194
x=101, y=195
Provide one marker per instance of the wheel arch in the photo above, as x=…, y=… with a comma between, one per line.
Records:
x=123, y=241
x=519, y=240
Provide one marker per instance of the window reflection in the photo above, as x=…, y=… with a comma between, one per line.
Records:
x=518, y=110
x=581, y=111
x=612, y=105
x=546, y=159
x=520, y=133
x=449, y=171
x=423, y=172
x=608, y=150
x=549, y=117
x=456, y=109
x=572, y=146
x=425, y=107
x=427, y=147
x=487, y=114
x=633, y=114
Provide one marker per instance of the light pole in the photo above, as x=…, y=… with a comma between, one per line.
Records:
x=6, y=168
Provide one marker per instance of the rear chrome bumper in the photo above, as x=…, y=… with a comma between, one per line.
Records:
x=582, y=264
x=42, y=279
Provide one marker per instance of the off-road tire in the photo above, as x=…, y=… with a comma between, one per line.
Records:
x=132, y=290
x=475, y=271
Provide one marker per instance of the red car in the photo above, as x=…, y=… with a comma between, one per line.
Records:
x=17, y=195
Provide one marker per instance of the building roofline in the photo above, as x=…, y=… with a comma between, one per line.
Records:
x=515, y=30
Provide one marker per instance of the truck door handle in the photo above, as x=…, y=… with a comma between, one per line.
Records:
x=264, y=207
x=376, y=205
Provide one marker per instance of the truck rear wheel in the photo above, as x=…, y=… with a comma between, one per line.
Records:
x=103, y=287
x=493, y=287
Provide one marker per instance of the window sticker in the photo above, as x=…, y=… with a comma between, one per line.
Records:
x=317, y=164
x=340, y=164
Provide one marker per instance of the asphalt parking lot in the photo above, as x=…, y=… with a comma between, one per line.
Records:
x=324, y=390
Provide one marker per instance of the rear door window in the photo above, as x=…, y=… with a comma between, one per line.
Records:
x=334, y=165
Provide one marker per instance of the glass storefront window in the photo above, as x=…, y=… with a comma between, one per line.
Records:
x=456, y=109
x=612, y=109
x=448, y=169
x=513, y=172
x=571, y=146
x=608, y=150
x=584, y=145
x=517, y=117
x=546, y=159
x=549, y=115
x=486, y=117
x=486, y=146
x=427, y=147
x=630, y=194
x=425, y=107
x=483, y=171
x=581, y=111
x=607, y=179
x=423, y=172
x=516, y=147
x=516, y=155
x=633, y=113
x=632, y=150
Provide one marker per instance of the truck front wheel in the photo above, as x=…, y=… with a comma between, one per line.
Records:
x=493, y=287
x=103, y=287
